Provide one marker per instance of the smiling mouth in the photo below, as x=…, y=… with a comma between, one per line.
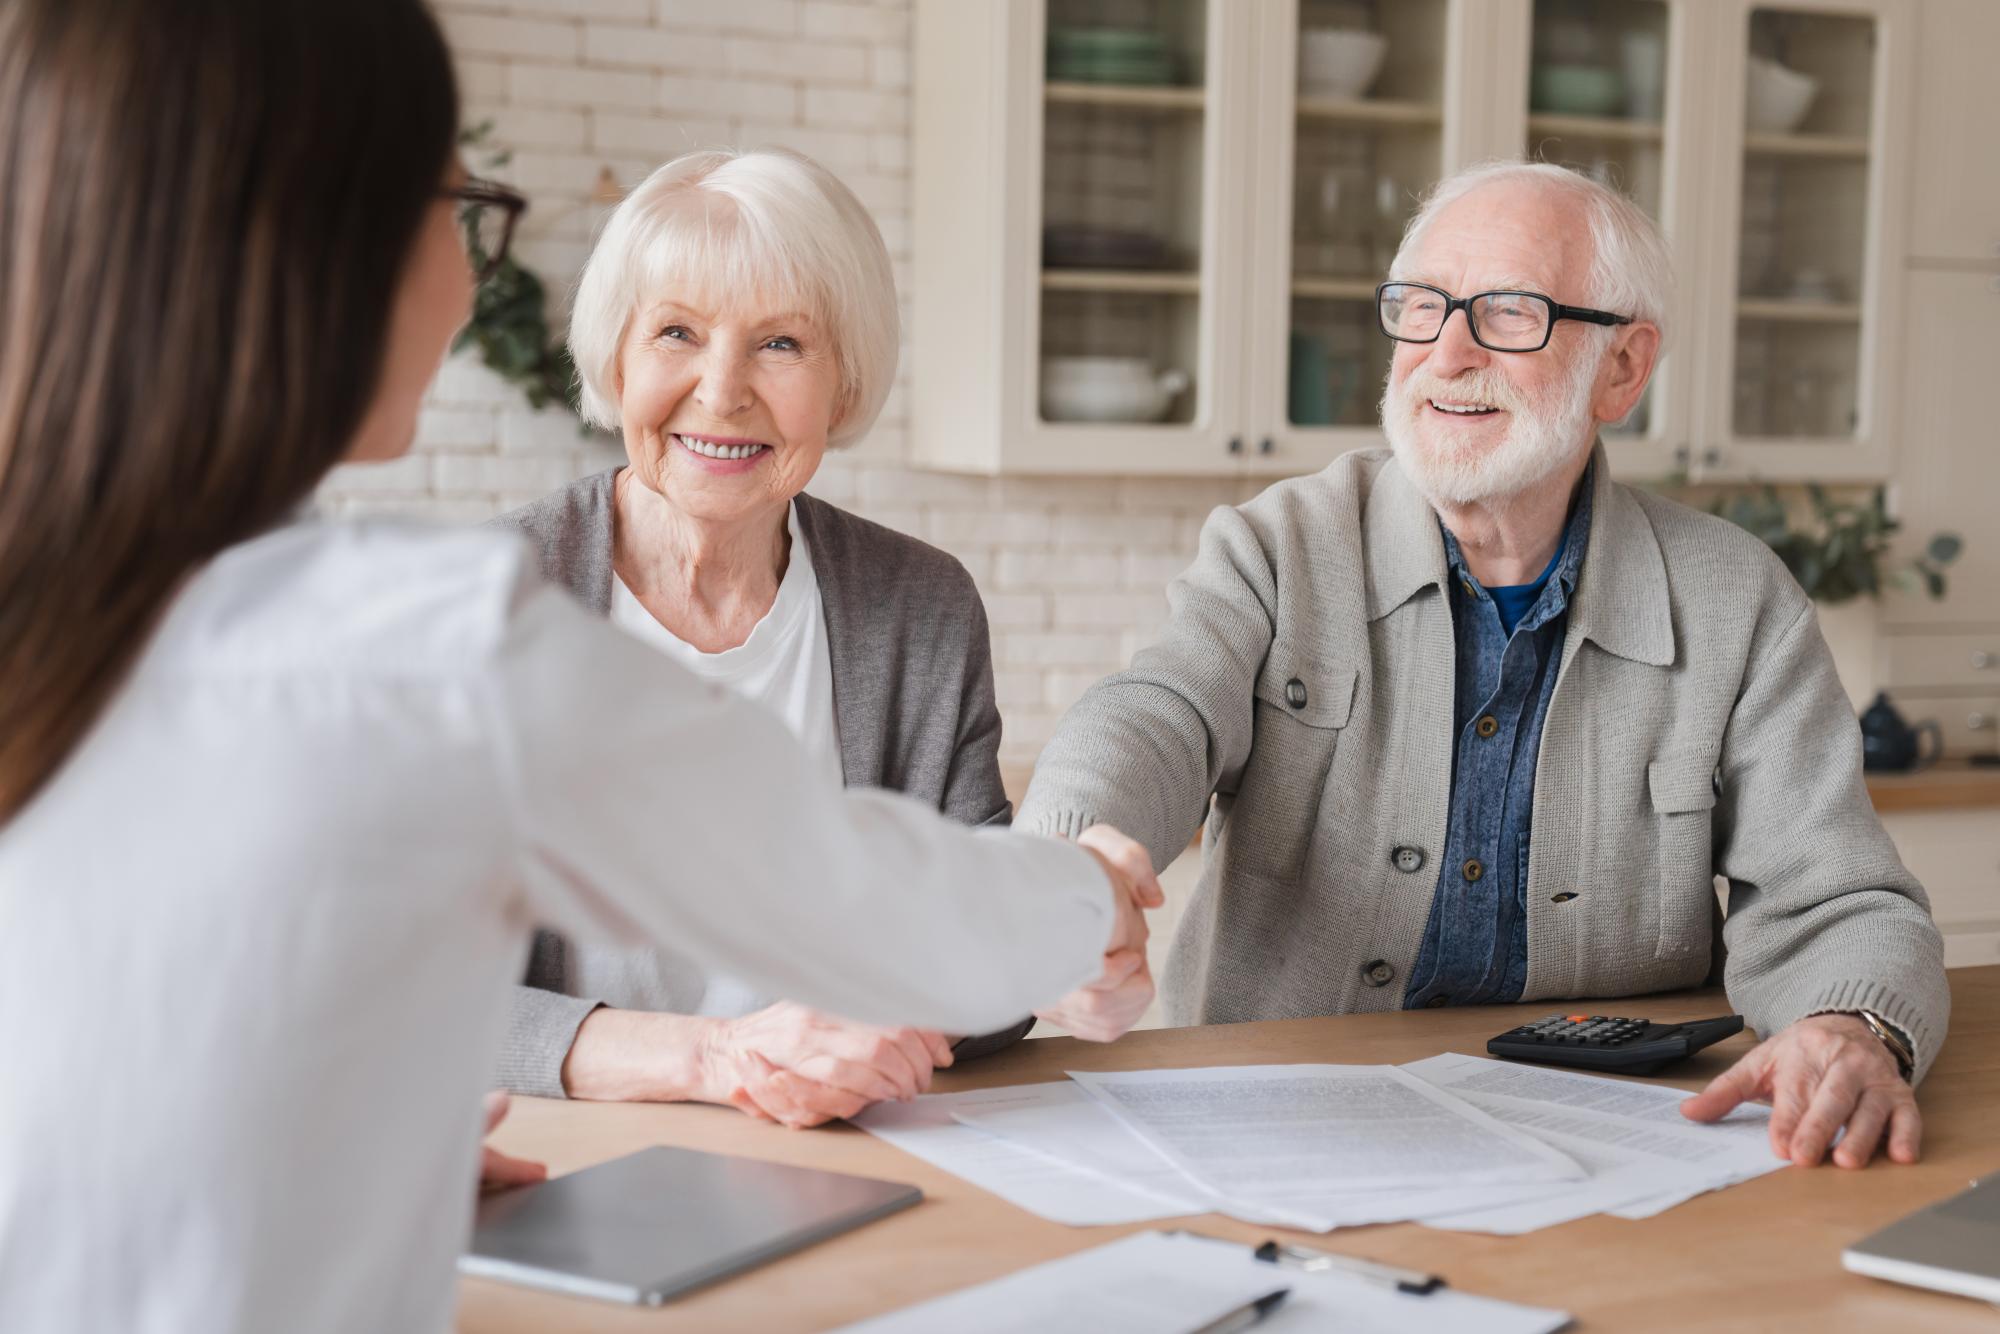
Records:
x=1463, y=409
x=725, y=450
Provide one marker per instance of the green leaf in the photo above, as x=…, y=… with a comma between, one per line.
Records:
x=1944, y=548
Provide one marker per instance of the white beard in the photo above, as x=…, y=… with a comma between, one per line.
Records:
x=1543, y=437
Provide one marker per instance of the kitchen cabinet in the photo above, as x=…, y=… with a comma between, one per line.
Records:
x=1956, y=855
x=1942, y=658
x=1955, y=199
x=1173, y=213
x=1802, y=280
x=1078, y=204
x=1950, y=475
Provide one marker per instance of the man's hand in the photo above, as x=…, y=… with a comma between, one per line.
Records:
x=1130, y=869
x=496, y=1170
x=1822, y=1073
x=1106, y=1009
x=800, y=1068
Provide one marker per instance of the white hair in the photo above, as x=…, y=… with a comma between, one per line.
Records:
x=1631, y=268
x=716, y=224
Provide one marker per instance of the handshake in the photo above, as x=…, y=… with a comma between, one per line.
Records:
x=1105, y=1009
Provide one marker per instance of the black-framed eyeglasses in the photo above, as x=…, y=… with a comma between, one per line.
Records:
x=487, y=211
x=1499, y=321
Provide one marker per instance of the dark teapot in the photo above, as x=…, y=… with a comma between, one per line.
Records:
x=1890, y=745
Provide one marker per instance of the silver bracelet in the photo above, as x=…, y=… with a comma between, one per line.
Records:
x=1906, y=1060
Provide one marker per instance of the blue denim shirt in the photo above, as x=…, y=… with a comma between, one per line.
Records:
x=1475, y=949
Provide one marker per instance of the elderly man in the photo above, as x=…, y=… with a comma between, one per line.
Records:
x=1471, y=723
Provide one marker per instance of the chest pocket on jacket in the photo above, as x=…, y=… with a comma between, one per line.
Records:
x=1300, y=707
x=1683, y=792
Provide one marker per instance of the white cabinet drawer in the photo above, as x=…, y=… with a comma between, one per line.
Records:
x=1971, y=724
x=1956, y=854
x=1944, y=660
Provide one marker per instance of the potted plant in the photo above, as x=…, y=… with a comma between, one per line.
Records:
x=1839, y=551
x=510, y=319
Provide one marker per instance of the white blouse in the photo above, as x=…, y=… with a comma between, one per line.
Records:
x=261, y=926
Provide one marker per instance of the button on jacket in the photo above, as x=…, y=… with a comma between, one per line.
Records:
x=1697, y=728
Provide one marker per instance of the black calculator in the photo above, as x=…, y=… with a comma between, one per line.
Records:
x=1605, y=1042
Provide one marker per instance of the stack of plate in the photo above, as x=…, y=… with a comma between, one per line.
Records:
x=1109, y=55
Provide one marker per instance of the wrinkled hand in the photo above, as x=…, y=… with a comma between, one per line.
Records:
x=497, y=1171
x=1820, y=1074
x=798, y=1067
x=1105, y=1009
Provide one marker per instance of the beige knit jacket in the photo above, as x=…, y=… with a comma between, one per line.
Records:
x=1300, y=702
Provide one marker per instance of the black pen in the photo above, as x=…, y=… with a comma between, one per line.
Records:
x=1312, y=1262
x=1245, y=1315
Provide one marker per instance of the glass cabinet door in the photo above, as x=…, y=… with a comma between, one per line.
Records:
x=1598, y=95
x=1367, y=129
x=1802, y=243
x=1122, y=298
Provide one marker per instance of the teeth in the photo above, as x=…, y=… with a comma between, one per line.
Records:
x=709, y=450
x=1460, y=409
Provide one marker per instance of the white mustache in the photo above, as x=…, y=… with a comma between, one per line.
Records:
x=1479, y=385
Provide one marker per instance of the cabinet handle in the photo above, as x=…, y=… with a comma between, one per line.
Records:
x=1981, y=660
x=1711, y=457
x=1236, y=444
x=1266, y=445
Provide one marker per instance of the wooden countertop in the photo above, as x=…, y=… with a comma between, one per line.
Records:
x=1952, y=785
x=1763, y=1255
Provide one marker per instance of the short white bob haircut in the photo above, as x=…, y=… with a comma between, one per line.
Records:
x=1631, y=268
x=712, y=227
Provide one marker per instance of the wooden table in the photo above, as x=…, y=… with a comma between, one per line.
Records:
x=1764, y=1255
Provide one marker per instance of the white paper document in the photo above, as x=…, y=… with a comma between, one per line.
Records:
x=1324, y=1145
x=1161, y=1283
x=1643, y=1156
x=1063, y=1122
x=1028, y=1180
x=1454, y=1142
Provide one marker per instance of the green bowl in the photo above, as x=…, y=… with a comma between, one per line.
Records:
x=1578, y=90
x=1107, y=41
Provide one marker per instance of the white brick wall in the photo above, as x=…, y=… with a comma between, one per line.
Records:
x=1072, y=570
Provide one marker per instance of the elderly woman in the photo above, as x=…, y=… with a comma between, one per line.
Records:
x=736, y=321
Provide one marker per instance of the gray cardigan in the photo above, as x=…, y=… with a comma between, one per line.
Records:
x=912, y=701
x=1300, y=702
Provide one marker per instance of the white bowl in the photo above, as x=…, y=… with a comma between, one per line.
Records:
x=1107, y=389
x=1339, y=62
x=1776, y=98
x=1098, y=369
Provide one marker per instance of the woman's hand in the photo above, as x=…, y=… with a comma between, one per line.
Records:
x=497, y=1171
x=798, y=1067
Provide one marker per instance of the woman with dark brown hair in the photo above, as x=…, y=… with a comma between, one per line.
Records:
x=280, y=799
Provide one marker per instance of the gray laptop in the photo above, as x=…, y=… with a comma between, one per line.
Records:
x=651, y=1226
x=1953, y=1246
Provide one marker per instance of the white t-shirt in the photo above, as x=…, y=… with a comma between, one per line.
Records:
x=785, y=666
x=261, y=926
